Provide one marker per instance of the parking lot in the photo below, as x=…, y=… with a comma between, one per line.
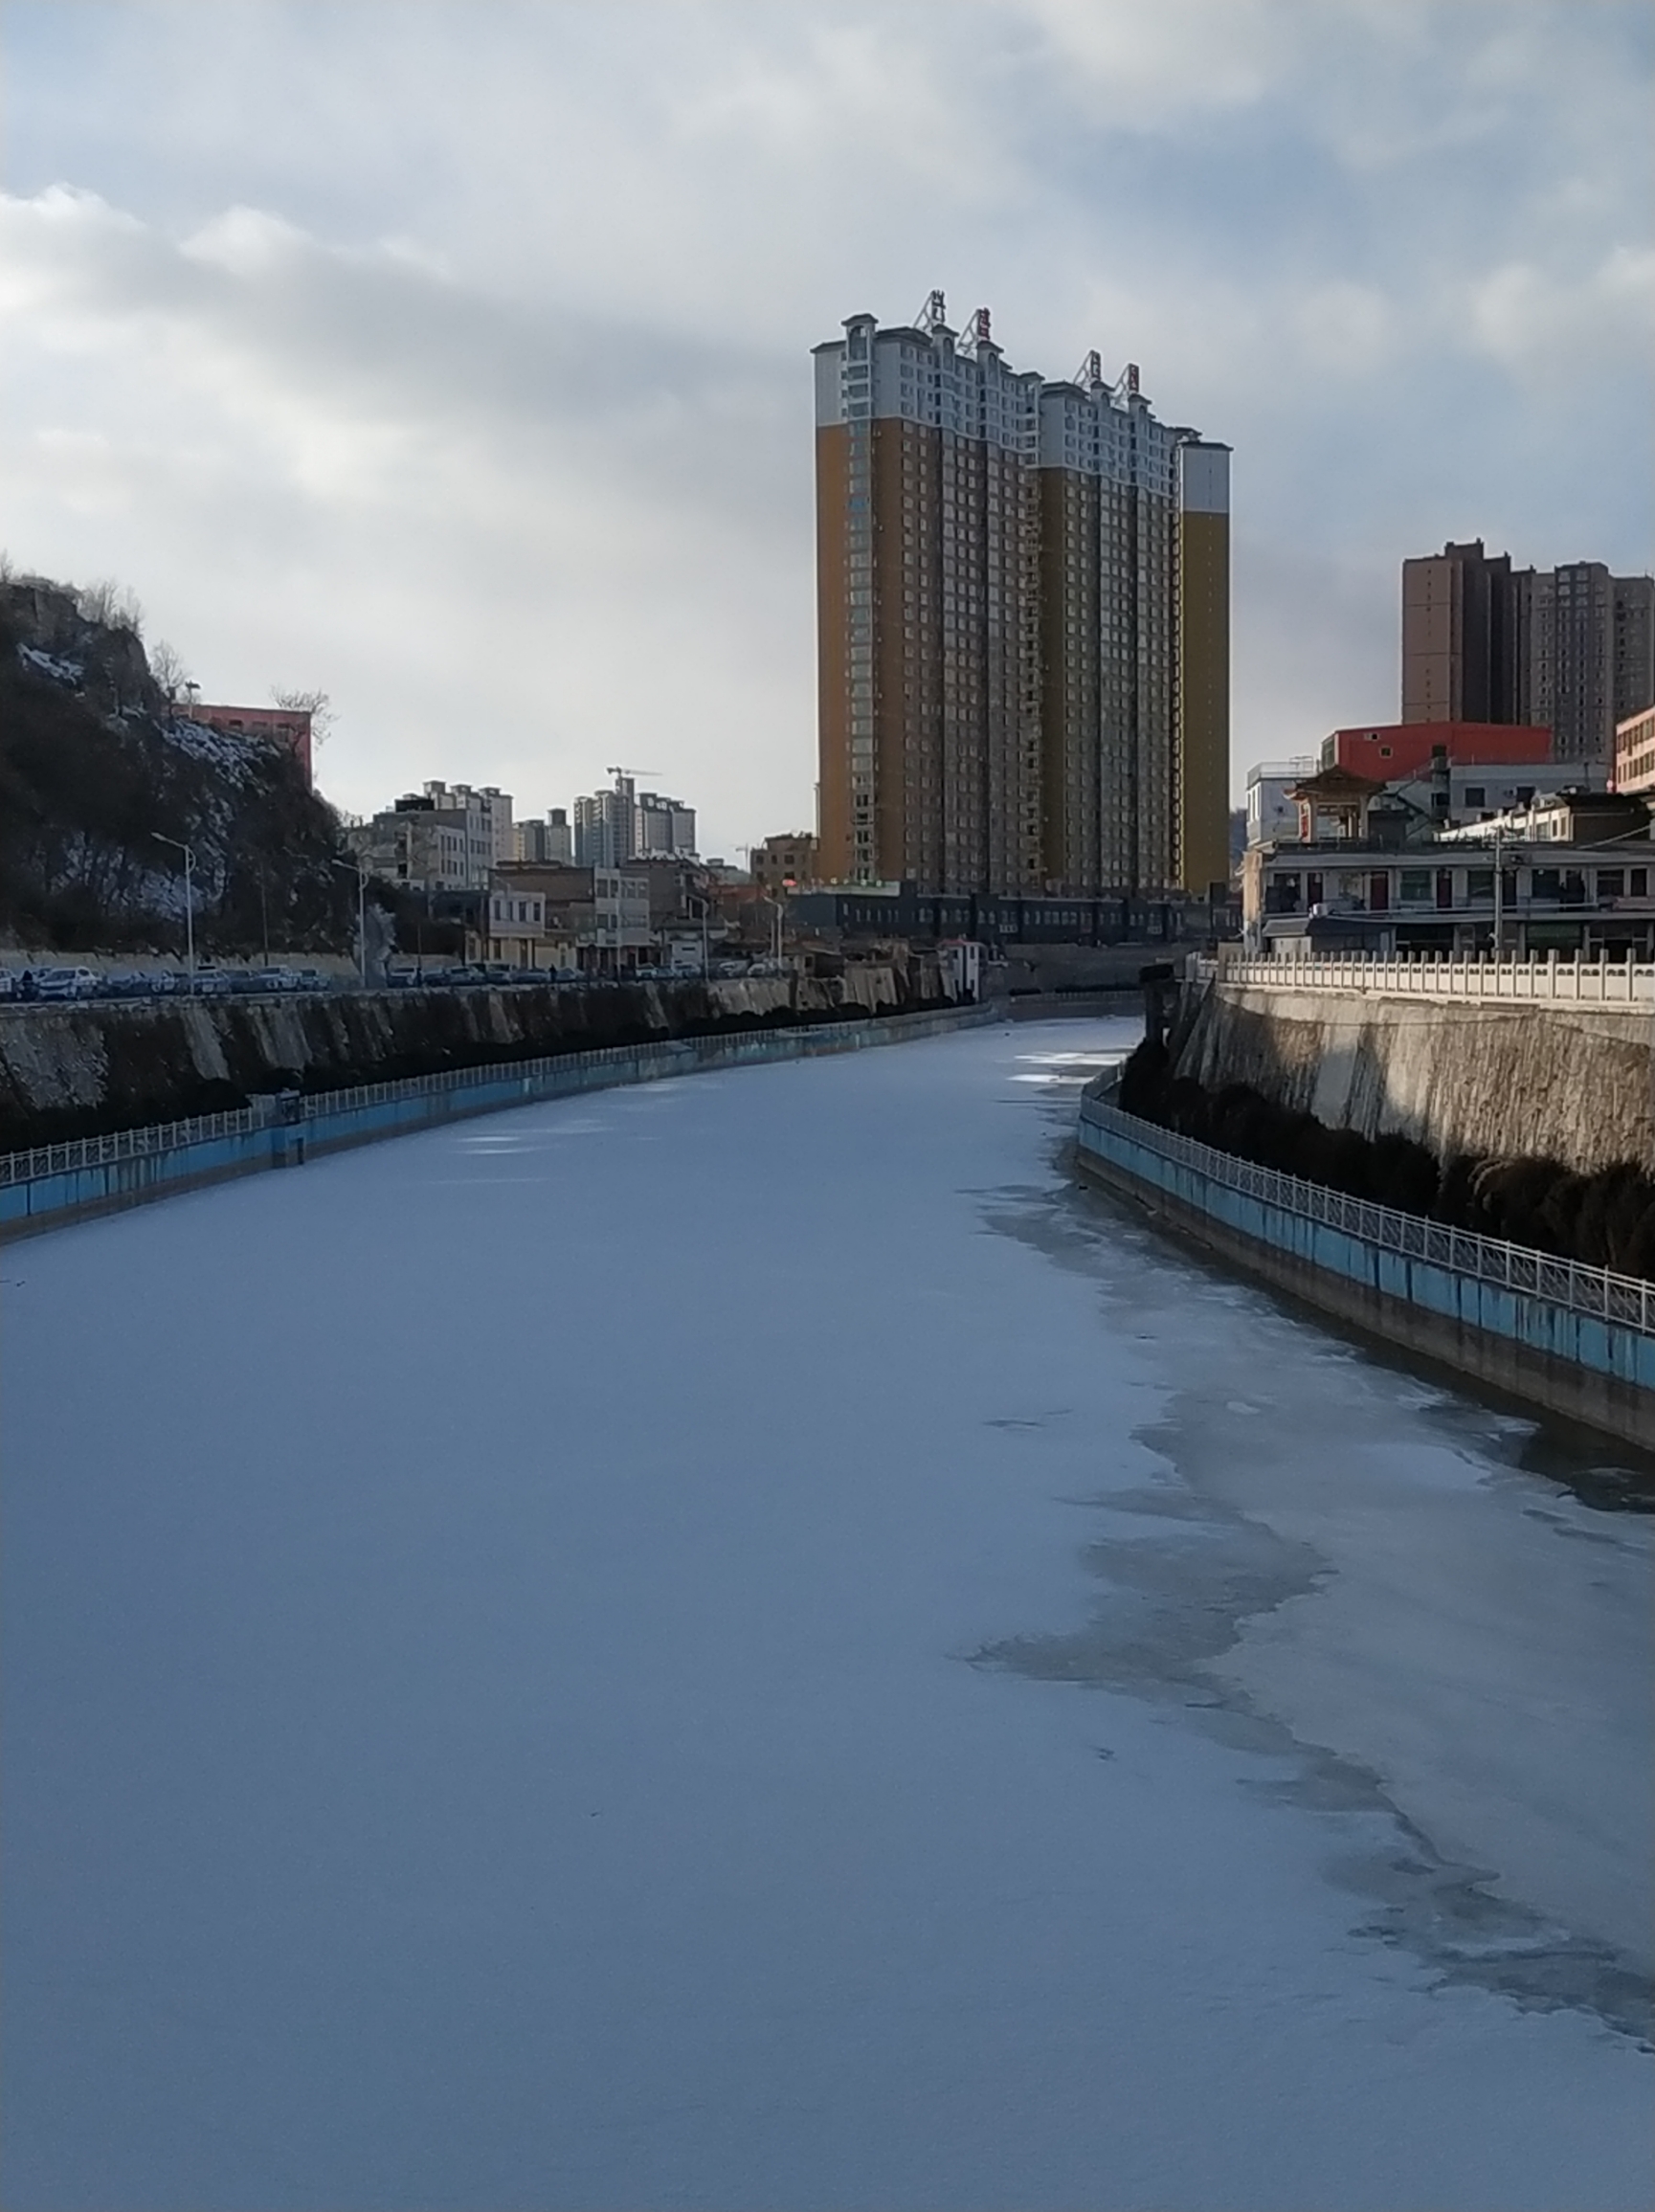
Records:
x=23, y=986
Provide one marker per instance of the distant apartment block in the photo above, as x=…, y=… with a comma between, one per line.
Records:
x=1635, y=753
x=285, y=726
x=1022, y=622
x=625, y=823
x=1572, y=648
x=663, y=828
x=445, y=837
x=784, y=862
x=550, y=838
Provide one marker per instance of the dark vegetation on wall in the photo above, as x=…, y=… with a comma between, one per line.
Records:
x=1606, y=1219
x=97, y=764
x=150, y=1062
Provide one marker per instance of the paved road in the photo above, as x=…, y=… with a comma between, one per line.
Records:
x=741, y=1643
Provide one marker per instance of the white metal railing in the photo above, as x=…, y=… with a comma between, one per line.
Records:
x=1627, y=1300
x=1574, y=982
x=78, y=1152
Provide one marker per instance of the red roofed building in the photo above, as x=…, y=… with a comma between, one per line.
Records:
x=288, y=726
x=1388, y=751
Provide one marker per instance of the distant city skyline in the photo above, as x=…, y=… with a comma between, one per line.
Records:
x=449, y=360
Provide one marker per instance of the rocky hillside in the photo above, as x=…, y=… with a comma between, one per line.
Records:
x=96, y=765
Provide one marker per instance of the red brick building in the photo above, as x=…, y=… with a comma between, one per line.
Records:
x=1390, y=750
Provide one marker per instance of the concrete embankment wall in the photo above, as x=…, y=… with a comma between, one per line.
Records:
x=1573, y=1083
x=1571, y=1340
x=74, y=1181
x=83, y=1070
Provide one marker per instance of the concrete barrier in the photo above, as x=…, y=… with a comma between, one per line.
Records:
x=57, y=1184
x=1576, y=1340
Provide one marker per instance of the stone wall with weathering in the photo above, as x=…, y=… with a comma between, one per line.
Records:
x=1571, y=1084
x=83, y=1070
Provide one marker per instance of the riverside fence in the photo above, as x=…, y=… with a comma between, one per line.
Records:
x=1570, y=982
x=1578, y=1339
x=54, y=1184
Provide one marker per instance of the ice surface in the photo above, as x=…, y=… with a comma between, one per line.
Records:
x=740, y=1643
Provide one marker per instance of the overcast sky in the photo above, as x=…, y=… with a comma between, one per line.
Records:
x=455, y=359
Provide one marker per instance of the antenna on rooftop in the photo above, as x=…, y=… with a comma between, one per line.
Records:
x=979, y=338
x=934, y=315
x=1090, y=373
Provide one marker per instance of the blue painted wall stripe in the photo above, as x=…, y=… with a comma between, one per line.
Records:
x=1582, y=1339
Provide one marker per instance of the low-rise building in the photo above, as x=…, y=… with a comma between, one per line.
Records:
x=1441, y=792
x=621, y=897
x=1387, y=751
x=289, y=726
x=446, y=837
x=517, y=928
x=1271, y=814
x=592, y=918
x=1575, y=877
x=786, y=862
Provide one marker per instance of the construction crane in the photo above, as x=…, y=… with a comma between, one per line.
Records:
x=629, y=774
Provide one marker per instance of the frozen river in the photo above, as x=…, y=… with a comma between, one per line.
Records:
x=741, y=1643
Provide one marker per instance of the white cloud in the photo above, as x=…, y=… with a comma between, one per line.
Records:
x=1546, y=324
x=455, y=359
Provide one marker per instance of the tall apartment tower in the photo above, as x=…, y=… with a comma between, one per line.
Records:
x=1022, y=612
x=606, y=825
x=1461, y=636
x=1589, y=654
x=1570, y=649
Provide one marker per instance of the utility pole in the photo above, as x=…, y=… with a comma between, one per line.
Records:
x=178, y=846
x=356, y=868
x=1499, y=895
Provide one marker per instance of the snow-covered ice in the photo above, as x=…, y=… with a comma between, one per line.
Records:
x=743, y=1643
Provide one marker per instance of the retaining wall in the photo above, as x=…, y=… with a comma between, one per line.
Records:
x=1568, y=1083
x=57, y=1184
x=79, y=1070
x=1574, y=1340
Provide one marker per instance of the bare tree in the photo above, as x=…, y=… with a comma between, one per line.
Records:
x=167, y=666
x=316, y=703
x=113, y=605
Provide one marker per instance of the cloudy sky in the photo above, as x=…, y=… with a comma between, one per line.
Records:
x=455, y=358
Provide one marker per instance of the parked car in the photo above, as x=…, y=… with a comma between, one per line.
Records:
x=66, y=983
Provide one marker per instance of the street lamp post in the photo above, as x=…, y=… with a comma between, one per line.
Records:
x=178, y=846
x=1499, y=896
x=356, y=868
x=705, y=953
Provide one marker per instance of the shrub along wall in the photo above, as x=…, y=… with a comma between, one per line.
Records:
x=1605, y=1218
